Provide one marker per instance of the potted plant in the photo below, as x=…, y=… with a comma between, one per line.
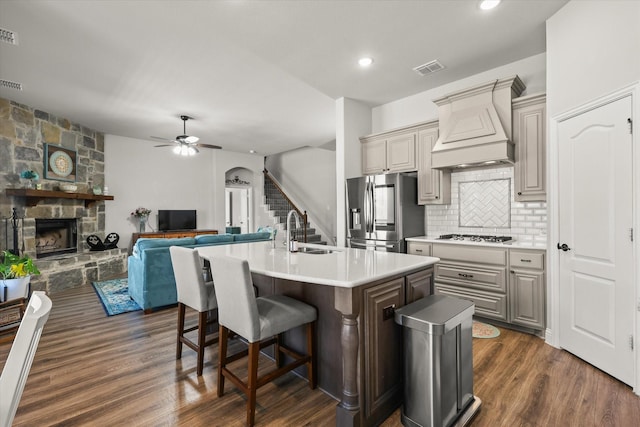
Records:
x=15, y=275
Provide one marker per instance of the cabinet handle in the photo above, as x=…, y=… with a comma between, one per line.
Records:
x=436, y=197
x=513, y=272
x=525, y=260
x=418, y=250
x=465, y=275
x=519, y=193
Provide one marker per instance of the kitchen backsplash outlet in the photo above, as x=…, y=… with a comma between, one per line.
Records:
x=528, y=220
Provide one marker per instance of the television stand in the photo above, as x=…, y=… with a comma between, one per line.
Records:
x=169, y=234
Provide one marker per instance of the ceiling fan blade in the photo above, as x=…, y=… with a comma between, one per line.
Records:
x=215, y=147
x=162, y=139
x=165, y=145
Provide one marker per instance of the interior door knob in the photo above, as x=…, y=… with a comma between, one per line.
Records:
x=564, y=247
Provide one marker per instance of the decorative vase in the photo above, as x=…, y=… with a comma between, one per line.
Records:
x=142, y=223
x=14, y=288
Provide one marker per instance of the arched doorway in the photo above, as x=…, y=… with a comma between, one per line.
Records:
x=238, y=200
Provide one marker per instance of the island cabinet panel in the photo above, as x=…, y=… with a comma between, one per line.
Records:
x=419, y=285
x=382, y=344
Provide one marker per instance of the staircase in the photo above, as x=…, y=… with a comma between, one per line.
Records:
x=279, y=207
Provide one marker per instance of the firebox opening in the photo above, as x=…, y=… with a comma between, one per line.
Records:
x=56, y=236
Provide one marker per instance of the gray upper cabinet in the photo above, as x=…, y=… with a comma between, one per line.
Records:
x=529, y=136
x=434, y=186
x=389, y=153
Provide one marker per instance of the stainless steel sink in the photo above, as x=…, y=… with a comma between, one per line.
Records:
x=314, y=251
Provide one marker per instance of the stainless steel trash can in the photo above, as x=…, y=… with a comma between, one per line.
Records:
x=438, y=360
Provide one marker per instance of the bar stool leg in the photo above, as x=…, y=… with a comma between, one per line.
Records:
x=202, y=334
x=254, y=351
x=181, y=310
x=278, y=353
x=222, y=357
x=311, y=352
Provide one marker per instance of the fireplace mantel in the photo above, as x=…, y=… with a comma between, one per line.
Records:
x=32, y=197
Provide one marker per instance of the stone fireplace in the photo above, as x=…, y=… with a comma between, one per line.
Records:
x=53, y=230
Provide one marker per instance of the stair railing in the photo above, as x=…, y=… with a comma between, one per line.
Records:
x=291, y=205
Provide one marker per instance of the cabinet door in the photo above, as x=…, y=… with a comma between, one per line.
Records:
x=383, y=362
x=529, y=132
x=374, y=156
x=419, y=285
x=526, y=298
x=401, y=153
x=434, y=186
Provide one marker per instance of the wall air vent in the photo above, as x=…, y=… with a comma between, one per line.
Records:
x=10, y=85
x=429, y=67
x=8, y=36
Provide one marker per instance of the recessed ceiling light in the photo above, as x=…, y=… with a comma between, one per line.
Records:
x=252, y=151
x=489, y=4
x=365, y=62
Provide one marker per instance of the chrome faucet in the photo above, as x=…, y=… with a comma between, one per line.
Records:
x=297, y=218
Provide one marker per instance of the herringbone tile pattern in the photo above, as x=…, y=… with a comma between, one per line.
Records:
x=485, y=203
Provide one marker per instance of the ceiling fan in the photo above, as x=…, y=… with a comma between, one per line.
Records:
x=184, y=144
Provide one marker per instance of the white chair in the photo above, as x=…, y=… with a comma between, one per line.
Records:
x=16, y=368
x=194, y=292
x=258, y=320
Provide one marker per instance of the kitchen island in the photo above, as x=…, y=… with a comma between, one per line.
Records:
x=356, y=291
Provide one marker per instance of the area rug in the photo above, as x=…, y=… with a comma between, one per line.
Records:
x=484, y=330
x=114, y=295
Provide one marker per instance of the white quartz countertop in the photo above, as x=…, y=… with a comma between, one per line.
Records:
x=344, y=267
x=510, y=244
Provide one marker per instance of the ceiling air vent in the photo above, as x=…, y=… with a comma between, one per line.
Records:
x=10, y=84
x=8, y=36
x=429, y=67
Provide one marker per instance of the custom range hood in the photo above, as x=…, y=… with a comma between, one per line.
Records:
x=475, y=125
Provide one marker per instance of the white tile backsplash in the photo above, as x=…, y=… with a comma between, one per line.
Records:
x=528, y=219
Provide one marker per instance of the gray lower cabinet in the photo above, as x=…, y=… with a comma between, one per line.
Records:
x=504, y=284
x=526, y=289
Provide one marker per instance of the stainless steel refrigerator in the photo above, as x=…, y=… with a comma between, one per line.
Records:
x=382, y=210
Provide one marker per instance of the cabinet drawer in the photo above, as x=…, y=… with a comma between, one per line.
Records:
x=487, y=304
x=460, y=252
x=419, y=248
x=491, y=279
x=525, y=259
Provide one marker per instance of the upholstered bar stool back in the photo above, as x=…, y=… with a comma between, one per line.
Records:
x=261, y=321
x=193, y=292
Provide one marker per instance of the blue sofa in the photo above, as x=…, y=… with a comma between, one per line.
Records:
x=151, y=280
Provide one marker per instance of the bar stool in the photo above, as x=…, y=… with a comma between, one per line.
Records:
x=196, y=294
x=260, y=321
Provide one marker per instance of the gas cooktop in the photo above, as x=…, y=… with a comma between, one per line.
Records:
x=475, y=238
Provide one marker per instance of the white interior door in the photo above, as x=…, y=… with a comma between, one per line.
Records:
x=238, y=206
x=595, y=220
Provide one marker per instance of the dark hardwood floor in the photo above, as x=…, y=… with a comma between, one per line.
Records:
x=91, y=369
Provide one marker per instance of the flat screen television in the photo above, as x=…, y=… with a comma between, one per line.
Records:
x=176, y=220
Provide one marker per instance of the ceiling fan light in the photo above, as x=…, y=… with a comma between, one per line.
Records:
x=192, y=139
x=191, y=151
x=176, y=149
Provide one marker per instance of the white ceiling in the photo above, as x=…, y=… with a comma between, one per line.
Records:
x=260, y=74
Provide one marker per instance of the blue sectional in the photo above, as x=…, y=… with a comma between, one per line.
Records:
x=151, y=280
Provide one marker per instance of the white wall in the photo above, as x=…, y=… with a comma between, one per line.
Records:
x=138, y=174
x=420, y=107
x=593, y=48
x=353, y=120
x=308, y=176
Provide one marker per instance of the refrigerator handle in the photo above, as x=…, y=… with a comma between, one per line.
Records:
x=370, y=210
